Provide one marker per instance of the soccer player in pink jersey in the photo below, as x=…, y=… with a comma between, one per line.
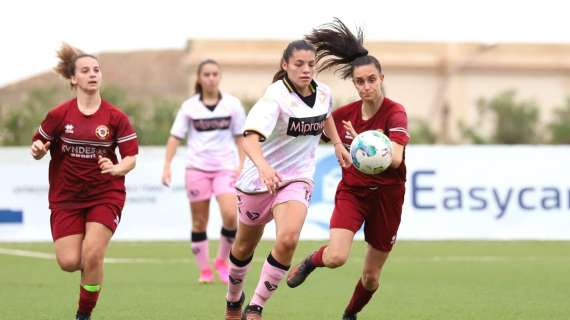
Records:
x=282, y=132
x=373, y=200
x=86, y=180
x=212, y=122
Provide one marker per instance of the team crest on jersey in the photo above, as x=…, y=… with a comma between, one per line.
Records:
x=102, y=132
x=69, y=128
x=322, y=97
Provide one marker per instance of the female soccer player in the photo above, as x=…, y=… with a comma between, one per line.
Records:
x=282, y=132
x=87, y=183
x=375, y=200
x=212, y=122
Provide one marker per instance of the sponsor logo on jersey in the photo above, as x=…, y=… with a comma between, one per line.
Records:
x=102, y=132
x=210, y=124
x=69, y=128
x=84, y=152
x=311, y=126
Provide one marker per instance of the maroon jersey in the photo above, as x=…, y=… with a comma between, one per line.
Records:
x=392, y=119
x=77, y=141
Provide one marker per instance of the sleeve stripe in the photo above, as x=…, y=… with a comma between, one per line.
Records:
x=262, y=137
x=400, y=130
x=44, y=134
x=127, y=138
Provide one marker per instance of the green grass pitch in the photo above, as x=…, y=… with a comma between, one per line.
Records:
x=422, y=280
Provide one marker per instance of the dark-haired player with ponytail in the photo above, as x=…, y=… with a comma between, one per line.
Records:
x=86, y=180
x=373, y=200
x=212, y=122
x=282, y=132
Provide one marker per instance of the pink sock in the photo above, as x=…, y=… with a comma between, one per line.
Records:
x=238, y=270
x=271, y=274
x=200, y=250
x=226, y=239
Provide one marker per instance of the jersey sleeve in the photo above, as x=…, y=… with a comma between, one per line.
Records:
x=398, y=128
x=126, y=137
x=47, y=130
x=262, y=118
x=238, y=120
x=180, y=126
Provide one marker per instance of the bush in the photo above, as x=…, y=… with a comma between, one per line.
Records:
x=560, y=125
x=508, y=121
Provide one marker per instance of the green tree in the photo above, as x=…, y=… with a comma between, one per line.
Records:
x=560, y=125
x=21, y=122
x=511, y=121
x=421, y=132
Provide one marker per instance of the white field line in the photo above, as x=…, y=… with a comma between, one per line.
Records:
x=483, y=259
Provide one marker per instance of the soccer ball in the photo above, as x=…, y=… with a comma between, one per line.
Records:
x=371, y=152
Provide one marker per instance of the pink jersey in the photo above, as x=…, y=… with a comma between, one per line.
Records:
x=77, y=140
x=392, y=119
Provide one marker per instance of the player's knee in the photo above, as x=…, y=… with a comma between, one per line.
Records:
x=287, y=241
x=69, y=264
x=241, y=249
x=370, y=280
x=336, y=259
x=92, y=258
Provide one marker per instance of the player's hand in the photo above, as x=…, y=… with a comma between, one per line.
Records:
x=270, y=178
x=39, y=149
x=107, y=166
x=166, y=176
x=342, y=155
x=349, y=128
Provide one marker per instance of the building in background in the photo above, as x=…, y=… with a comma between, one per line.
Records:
x=437, y=82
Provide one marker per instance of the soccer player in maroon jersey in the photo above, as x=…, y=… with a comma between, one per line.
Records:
x=375, y=200
x=87, y=183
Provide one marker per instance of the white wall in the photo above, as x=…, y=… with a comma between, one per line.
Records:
x=453, y=192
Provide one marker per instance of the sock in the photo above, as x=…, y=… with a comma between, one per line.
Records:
x=200, y=250
x=226, y=239
x=271, y=274
x=359, y=299
x=88, y=296
x=317, y=257
x=238, y=270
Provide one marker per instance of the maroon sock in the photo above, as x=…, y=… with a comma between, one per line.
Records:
x=359, y=299
x=87, y=301
x=317, y=257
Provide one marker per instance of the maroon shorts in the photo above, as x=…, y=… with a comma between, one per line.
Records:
x=379, y=209
x=66, y=222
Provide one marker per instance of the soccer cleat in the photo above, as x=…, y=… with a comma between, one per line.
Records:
x=80, y=316
x=300, y=272
x=233, y=309
x=347, y=316
x=252, y=312
x=222, y=269
x=206, y=276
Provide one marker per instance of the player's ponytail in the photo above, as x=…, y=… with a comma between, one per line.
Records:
x=288, y=52
x=197, y=85
x=67, y=56
x=338, y=47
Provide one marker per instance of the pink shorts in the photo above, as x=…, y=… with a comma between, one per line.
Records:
x=66, y=222
x=256, y=209
x=200, y=185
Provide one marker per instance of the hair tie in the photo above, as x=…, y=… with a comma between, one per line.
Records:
x=357, y=55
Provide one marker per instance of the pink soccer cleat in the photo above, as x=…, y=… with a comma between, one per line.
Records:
x=206, y=276
x=222, y=269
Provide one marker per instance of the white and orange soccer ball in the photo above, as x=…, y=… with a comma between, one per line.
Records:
x=371, y=152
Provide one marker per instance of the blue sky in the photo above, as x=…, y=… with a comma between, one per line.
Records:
x=31, y=31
